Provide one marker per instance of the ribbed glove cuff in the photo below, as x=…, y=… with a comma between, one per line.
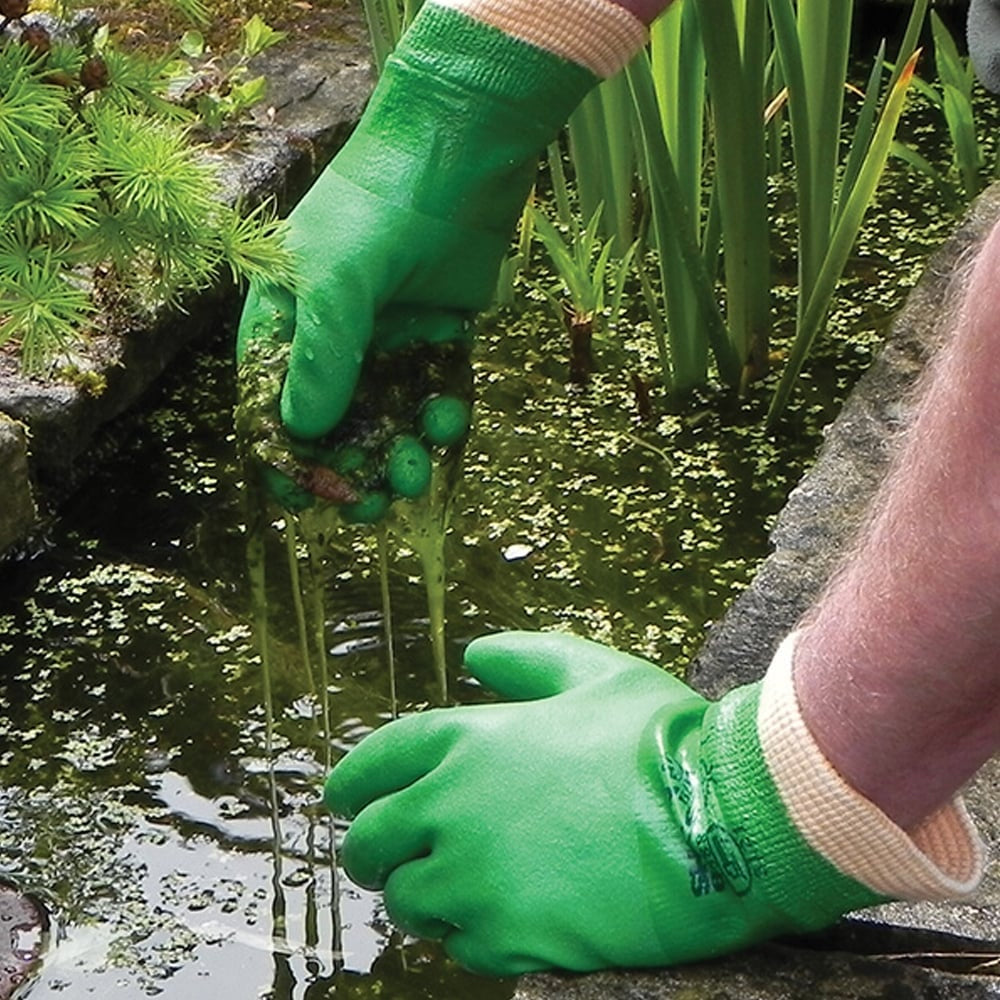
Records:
x=598, y=34
x=942, y=859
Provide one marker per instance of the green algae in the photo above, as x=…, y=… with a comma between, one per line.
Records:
x=386, y=593
x=401, y=438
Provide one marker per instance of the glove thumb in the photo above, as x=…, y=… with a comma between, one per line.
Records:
x=269, y=311
x=522, y=666
x=323, y=370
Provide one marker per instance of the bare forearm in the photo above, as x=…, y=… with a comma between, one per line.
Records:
x=898, y=669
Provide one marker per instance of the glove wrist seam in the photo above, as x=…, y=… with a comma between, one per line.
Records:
x=943, y=858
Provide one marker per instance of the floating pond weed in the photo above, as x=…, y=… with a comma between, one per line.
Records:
x=401, y=440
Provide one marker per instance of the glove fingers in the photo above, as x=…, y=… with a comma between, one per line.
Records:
x=526, y=665
x=387, y=833
x=389, y=760
x=398, y=325
x=486, y=957
x=411, y=893
x=327, y=351
x=269, y=311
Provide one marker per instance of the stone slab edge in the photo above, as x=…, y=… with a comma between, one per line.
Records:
x=17, y=511
x=316, y=93
x=812, y=532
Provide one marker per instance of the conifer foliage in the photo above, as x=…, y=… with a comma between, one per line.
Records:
x=104, y=195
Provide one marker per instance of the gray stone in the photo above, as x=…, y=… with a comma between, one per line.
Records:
x=861, y=957
x=17, y=510
x=771, y=973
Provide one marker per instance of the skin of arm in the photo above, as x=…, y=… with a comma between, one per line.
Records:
x=646, y=10
x=898, y=668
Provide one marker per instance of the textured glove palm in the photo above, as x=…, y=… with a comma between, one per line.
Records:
x=608, y=816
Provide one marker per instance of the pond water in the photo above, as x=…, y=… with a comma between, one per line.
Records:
x=177, y=858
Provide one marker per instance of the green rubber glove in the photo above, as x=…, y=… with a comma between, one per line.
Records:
x=402, y=236
x=605, y=816
x=984, y=41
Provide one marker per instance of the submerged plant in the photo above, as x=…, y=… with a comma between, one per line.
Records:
x=101, y=190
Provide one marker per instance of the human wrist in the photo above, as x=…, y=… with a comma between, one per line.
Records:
x=940, y=858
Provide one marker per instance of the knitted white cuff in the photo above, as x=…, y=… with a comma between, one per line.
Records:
x=597, y=34
x=942, y=859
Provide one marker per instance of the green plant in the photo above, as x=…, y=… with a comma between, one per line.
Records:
x=584, y=267
x=387, y=20
x=952, y=97
x=833, y=195
x=694, y=84
x=604, y=157
x=668, y=87
x=218, y=88
x=104, y=199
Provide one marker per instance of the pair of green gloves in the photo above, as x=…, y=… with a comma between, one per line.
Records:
x=602, y=813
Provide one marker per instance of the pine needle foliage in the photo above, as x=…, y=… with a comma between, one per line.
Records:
x=102, y=186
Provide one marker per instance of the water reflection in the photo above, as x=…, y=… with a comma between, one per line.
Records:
x=180, y=847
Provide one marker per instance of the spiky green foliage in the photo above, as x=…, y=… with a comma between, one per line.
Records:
x=102, y=183
x=196, y=11
x=140, y=83
x=40, y=305
x=29, y=107
x=43, y=194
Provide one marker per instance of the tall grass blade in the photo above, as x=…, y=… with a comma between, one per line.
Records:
x=911, y=38
x=603, y=155
x=864, y=129
x=560, y=187
x=694, y=321
x=956, y=77
x=735, y=55
x=385, y=26
x=387, y=20
x=842, y=239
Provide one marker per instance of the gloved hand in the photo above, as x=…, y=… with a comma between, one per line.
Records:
x=983, y=29
x=605, y=816
x=402, y=236
x=378, y=451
